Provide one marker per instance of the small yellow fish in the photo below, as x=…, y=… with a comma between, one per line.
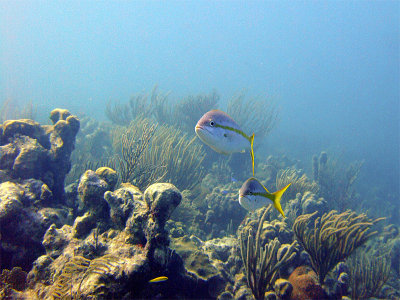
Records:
x=159, y=279
x=219, y=131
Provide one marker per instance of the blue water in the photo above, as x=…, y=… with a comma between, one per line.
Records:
x=332, y=67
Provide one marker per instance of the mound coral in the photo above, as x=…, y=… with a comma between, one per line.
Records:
x=28, y=150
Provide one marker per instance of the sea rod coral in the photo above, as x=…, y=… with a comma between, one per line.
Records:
x=261, y=264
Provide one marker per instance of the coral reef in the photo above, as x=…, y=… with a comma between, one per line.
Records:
x=124, y=260
x=368, y=274
x=102, y=237
x=332, y=238
x=34, y=160
x=261, y=264
x=336, y=182
x=12, y=282
x=305, y=204
x=305, y=284
x=24, y=220
x=29, y=150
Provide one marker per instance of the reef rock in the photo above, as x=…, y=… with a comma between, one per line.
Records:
x=29, y=150
x=283, y=288
x=23, y=221
x=306, y=204
x=118, y=263
x=122, y=202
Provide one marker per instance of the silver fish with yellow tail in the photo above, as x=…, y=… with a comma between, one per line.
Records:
x=219, y=131
x=254, y=195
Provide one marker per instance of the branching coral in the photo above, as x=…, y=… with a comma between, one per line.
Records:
x=332, y=238
x=184, y=114
x=134, y=141
x=10, y=110
x=148, y=153
x=254, y=115
x=140, y=106
x=261, y=264
x=181, y=156
x=368, y=273
x=189, y=110
x=300, y=184
x=336, y=182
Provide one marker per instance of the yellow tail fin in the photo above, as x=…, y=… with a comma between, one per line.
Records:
x=277, y=199
x=252, y=151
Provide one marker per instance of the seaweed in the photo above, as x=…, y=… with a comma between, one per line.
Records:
x=261, y=264
x=181, y=156
x=189, y=110
x=62, y=287
x=11, y=110
x=142, y=105
x=332, y=238
x=300, y=184
x=257, y=116
x=368, y=273
x=336, y=182
x=134, y=141
x=156, y=106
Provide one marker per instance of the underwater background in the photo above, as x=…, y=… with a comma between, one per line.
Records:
x=104, y=184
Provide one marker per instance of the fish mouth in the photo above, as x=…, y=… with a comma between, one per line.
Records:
x=198, y=127
x=244, y=197
x=201, y=131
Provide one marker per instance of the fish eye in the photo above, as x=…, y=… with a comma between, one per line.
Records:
x=212, y=123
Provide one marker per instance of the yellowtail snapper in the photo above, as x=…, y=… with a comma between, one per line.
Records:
x=219, y=131
x=254, y=195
